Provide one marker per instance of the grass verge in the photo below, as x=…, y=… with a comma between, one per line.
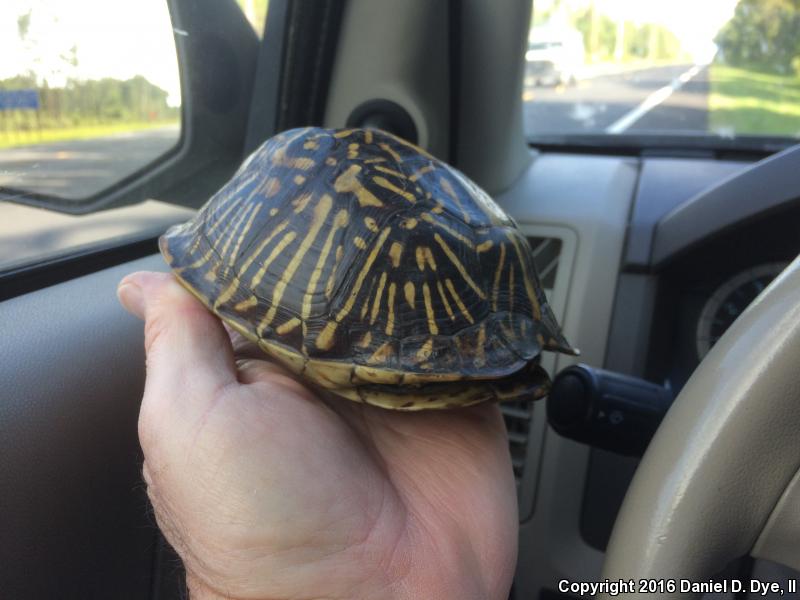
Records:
x=10, y=138
x=753, y=103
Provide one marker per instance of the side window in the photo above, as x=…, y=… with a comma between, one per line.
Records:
x=89, y=94
x=716, y=73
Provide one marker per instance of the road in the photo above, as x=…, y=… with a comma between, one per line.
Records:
x=659, y=99
x=80, y=168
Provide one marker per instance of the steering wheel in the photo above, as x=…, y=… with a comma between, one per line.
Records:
x=720, y=478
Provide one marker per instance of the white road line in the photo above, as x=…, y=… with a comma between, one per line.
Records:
x=652, y=101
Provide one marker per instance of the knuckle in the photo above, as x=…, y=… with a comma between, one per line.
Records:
x=154, y=329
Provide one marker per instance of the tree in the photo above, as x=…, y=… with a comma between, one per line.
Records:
x=762, y=35
x=24, y=25
x=605, y=38
x=599, y=33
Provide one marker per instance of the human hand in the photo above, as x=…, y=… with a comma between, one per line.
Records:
x=268, y=490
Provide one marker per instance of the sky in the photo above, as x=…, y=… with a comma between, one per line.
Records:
x=123, y=39
x=694, y=22
x=113, y=39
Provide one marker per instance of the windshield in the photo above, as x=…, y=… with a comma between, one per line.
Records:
x=705, y=72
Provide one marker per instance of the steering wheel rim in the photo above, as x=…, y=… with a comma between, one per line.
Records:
x=725, y=455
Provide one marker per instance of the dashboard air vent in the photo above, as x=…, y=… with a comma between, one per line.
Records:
x=518, y=415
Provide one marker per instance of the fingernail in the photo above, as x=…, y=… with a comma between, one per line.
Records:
x=131, y=297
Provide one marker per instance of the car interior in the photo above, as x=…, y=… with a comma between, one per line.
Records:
x=649, y=247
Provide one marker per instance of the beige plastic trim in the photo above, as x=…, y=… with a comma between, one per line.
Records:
x=724, y=454
x=557, y=297
x=779, y=540
x=586, y=201
x=492, y=148
x=398, y=54
x=401, y=52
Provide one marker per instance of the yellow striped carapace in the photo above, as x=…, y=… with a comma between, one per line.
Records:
x=373, y=270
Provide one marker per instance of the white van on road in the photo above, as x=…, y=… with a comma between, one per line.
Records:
x=554, y=57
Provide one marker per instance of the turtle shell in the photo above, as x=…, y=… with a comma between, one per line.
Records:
x=372, y=269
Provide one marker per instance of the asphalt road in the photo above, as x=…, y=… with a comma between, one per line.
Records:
x=80, y=168
x=660, y=99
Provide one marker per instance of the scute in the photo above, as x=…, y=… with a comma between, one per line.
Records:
x=369, y=267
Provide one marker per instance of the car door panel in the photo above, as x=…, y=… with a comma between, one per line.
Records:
x=74, y=516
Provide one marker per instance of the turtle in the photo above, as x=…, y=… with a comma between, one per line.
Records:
x=373, y=270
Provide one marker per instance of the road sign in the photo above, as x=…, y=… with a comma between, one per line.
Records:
x=19, y=99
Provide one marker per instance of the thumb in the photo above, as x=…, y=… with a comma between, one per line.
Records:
x=186, y=346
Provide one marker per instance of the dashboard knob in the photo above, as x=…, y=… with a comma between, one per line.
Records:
x=605, y=409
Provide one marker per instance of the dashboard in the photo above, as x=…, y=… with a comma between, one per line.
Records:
x=658, y=256
x=640, y=261
x=704, y=238
x=702, y=293
x=729, y=300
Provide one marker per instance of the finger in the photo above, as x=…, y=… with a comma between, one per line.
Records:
x=252, y=362
x=185, y=344
x=254, y=370
x=243, y=347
